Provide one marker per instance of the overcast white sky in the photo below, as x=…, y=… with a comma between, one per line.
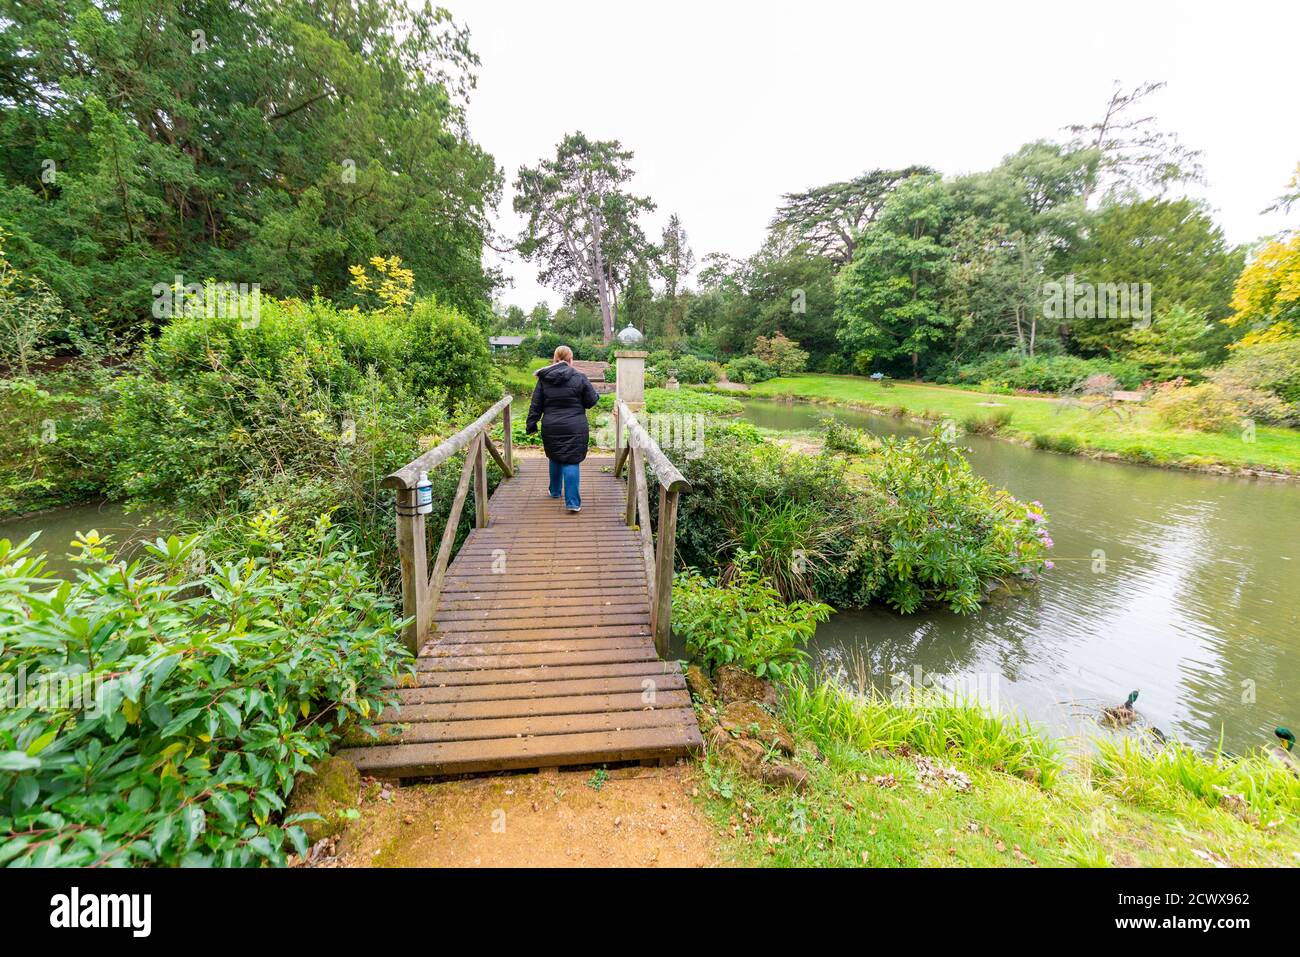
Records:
x=727, y=105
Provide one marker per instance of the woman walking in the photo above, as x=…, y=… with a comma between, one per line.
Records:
x=561, y=400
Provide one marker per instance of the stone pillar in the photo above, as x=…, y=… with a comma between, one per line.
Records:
x=630, y=367
x=672, y=383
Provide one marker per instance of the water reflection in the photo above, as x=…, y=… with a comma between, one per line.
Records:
x=58, y=527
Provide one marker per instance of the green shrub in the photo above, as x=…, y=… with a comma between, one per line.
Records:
x=949, y=534
x=216, y=416
x=691, y=370
x=1202, y=408
x=50, y=431
x=444, y=352
x=834, y=364
x=838, y=437
x=781, y=353
x=171, y=701
x=743, y=623
x=908, y=523
x=1059, y=373
x=1266, y=375
x=587, y=349
x=749, y=370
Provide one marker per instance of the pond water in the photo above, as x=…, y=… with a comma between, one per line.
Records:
x=58, y=527
x=1197, y=603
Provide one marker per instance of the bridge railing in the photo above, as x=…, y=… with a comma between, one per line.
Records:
x=420, y=587
x=658, y=546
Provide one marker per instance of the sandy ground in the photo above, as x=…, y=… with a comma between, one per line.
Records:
x=638, y=817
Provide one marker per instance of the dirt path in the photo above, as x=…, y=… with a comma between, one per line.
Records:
x=633, y=817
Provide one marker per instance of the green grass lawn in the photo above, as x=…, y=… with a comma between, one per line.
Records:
x=1135, y=435
x=949, y=786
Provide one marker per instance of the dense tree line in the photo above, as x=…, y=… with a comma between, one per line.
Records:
x=908, y=272
x=274, y=142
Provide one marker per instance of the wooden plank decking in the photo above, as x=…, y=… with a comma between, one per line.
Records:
x=542, y=654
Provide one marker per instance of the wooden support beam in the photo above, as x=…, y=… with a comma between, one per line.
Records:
x=662, y=597
x=643, y=519
x=480, y=482
x=508, y=438
x=448, y=534
x=497, y=457
x=629, y=516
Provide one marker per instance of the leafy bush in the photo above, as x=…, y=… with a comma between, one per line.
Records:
x=943, y=533
x=743, y=623
x=29, y=316
x=1202, y=408
x=587, y=349
x=314, y=403
x=749, y=370
x=691, y=370
x=838, y=437
x=49, y=431
x=170, y=701
x=441, y=352
x=908, y=523
x=1270, y=368
x=833, y=364
x=1059, y=373
x=781, y=353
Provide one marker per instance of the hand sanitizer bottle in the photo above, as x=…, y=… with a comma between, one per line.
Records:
x=423, y=495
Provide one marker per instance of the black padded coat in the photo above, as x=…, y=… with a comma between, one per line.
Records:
x=561, y=400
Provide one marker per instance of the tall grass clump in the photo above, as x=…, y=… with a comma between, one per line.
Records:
x=988, y=424
x=1165, y=777
x=932, y=723
x=1057, y=442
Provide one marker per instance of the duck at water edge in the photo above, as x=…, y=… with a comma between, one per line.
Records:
x=1122, y=715
x=1282, y=753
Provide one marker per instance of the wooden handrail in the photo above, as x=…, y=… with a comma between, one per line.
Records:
x=420, y=588
x=667, y=473
x=409, y=474
x=659, y=551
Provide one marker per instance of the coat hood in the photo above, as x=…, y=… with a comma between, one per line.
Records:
x=557, y=373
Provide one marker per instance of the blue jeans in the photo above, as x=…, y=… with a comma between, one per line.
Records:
x=568, y=476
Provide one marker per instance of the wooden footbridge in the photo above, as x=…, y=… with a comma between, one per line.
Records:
x=542, y=644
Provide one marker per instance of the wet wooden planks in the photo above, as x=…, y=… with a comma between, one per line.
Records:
x=542, y=654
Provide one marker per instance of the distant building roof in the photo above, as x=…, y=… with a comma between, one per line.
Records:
x=505, y=340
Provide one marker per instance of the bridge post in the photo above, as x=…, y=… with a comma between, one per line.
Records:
x=415, y=573
x=629, y=388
